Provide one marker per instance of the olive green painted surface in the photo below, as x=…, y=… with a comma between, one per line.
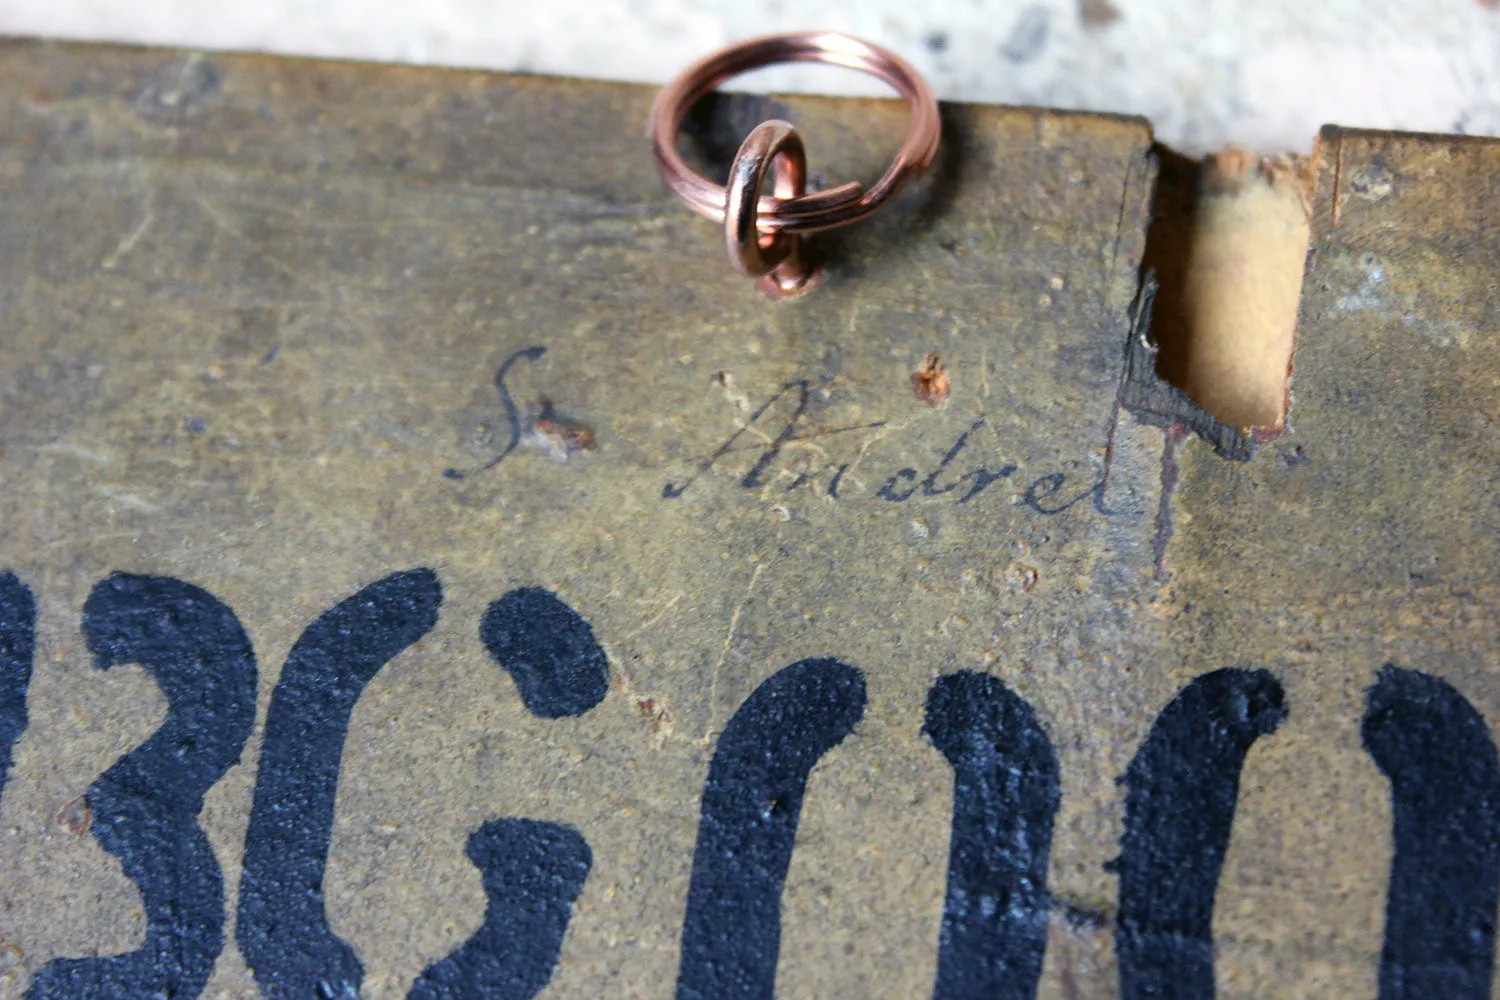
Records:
x=1369, y=534
x=252, y=308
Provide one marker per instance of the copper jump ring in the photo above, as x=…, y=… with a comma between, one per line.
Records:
x=763, y=232
x=773, y=144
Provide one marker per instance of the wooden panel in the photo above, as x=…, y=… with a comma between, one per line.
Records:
x=255, y=310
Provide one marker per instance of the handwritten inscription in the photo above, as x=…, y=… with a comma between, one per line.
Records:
x=949, y=476
x=790, y=431
x=513, y=426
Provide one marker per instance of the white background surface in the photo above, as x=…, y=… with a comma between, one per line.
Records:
x=1206, y=72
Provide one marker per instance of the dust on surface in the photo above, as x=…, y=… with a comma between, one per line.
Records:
x=76, y=817
x=931, y=382
x=557, y=434
x=1097, y=13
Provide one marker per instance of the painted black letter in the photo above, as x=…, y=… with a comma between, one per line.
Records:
x=549, y=650
x=1005, y=794
x=1181, y=792
x=146, y=806
x=532, y=873
x=1445, y=874
x=17, y=648
x=283, y=929
x=752, y=801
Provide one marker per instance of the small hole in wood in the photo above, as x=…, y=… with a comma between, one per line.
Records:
x=1228, y=244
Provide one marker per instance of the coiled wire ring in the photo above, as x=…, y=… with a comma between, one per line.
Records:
x=761, y=232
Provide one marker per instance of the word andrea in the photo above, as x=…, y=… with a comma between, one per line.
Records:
x=1048, y=495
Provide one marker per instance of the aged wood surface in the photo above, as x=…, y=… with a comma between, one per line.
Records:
x=253, y=309
x=1369, y=534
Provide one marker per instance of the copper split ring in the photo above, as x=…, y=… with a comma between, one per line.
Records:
x=763, y=233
